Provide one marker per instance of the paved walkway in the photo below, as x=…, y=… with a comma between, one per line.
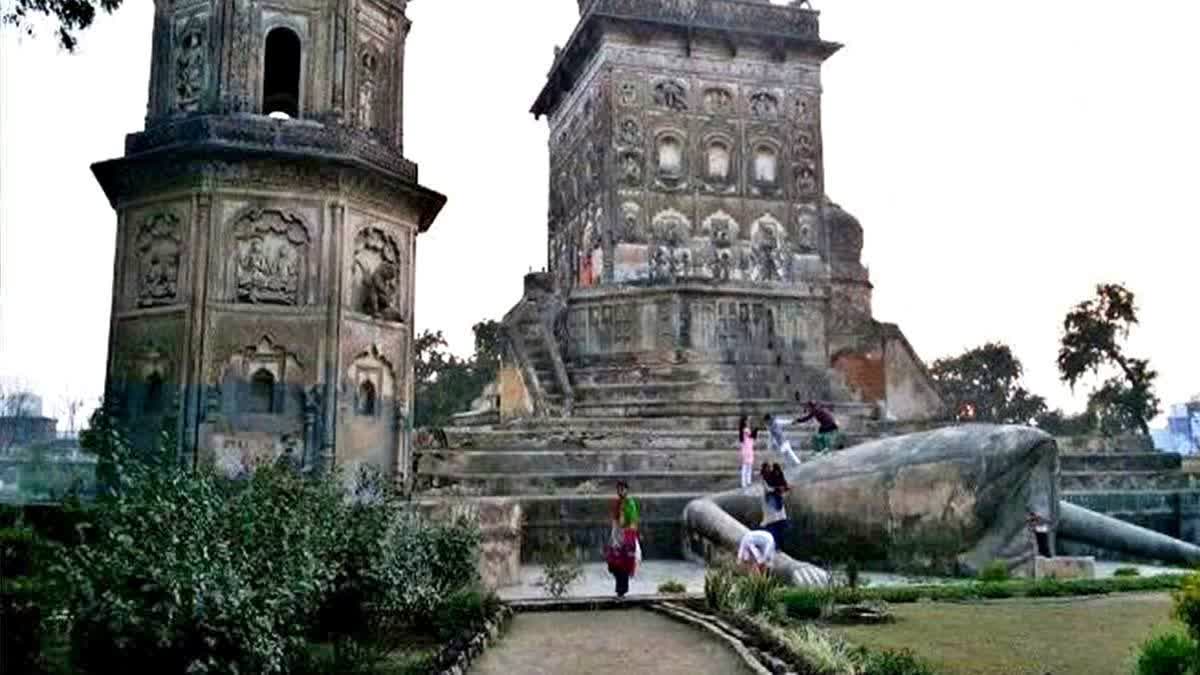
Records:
x=604, y=642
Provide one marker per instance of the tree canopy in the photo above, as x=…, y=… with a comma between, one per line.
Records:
x=987, y=381
x=447, y=384
x=71, y=16
x=1093, y=342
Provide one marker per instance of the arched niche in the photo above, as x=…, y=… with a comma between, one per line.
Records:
x=263, y=379
x=282, y=52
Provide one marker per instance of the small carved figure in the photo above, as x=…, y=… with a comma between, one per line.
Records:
x=670, y=94
x=722, y=264
x=631, y=168
x=718, y=100
x=806, y=180
x=366, y=96
x=764, y=105
x=253, y=270
x=806, y=108
x=189, y=70
x=380, y=295
x=630, y=133
x=805, y=145
x=660, y=264
x=627, y=93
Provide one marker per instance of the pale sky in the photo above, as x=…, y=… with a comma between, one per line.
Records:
x=1003, y=157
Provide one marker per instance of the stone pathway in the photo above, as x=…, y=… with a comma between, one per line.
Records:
x=605, y=642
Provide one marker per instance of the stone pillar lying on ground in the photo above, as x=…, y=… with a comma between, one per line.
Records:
x=948, y=501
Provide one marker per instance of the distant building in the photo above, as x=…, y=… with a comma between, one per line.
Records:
x=22, y=431
x=1182, y=433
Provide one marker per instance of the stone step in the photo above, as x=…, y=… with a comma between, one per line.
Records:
x=616, y=438
x=1140, y=461
x=1070, y=445
x=717, y=414
x=1124, y=480
x=1114, y=502
x=584, y=482
x=598, y=462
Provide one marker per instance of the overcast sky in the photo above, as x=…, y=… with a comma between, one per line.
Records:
x=1003, y=157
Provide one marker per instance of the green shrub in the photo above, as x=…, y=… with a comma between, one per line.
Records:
x=561, y=567
x=1048, y=588
x=888, y=662
x=16, y=552
x=1127, y=572
x=897, y=595
x=805, y=604
x=844, y=595
x=816, y=651
x=1169, y=654
x=951, y=592
x=671, y=587
x=1187, y=605
x=718, y=588
x=757, y=593
x=21, y=622
x=994, y=590
x=994, y=571
x=465, y=611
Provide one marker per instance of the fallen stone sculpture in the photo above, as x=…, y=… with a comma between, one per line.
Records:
x=948, y=501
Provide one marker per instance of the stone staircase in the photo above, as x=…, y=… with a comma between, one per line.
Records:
x=563, y=471
x=1127, y=479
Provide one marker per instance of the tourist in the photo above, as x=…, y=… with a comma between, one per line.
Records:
x=746, y=437
x=782, y=445
x=757, y=549
x=624, y=551
x=827, y=428
x=1041, y=533
x=774, y=518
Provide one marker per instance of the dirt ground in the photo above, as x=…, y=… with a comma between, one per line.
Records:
x=606, y=642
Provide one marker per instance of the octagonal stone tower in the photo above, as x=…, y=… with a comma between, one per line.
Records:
x=696, y=266
x=266, y=235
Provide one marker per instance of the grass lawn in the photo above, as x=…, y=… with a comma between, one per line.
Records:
x=1058, y=636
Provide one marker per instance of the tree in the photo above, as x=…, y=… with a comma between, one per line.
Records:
x=17, y=403
x=72, y=16
x=446, y=384
x=987, y=380
x=1093, y=342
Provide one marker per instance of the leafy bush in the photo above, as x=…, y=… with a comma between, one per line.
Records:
x=16, y=551
x=994, y=571
x=1169, y=654
x=1127, y=572
x=817, y=651
x=561, y=567
x=718, y=587
x=672, y=587
x=805, y=604
x=1187, y=605
x=994, y=590
x=1048, y=588
x=950, y=592
x=888, y=662
x=898, y=595
x=466, y=611
x=757, y=593
x=21, y=621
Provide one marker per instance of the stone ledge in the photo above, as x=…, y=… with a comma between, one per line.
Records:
x=1063, y=568
x=456, y=658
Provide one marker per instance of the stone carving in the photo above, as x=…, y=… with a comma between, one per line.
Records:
x=805, y=143
x=271, y=251
x=368, y=65
x=804, y=107
x=633, y=229
x=630, y=132
x=377, y=267
x=769, y=252
x=158, y=249
x=189, y=69
x=718, y=101
x=671, y=227
x=806, y=179
x=978, y=481
x=631, y=168
x=721, y=262
x=627, y=94
x=764, y=105
x=671, y=95
x=806, y=228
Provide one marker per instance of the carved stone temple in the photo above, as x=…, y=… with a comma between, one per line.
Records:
x=267, y=222
x=696, y=266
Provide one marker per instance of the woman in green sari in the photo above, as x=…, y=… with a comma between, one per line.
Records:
x=624, y=550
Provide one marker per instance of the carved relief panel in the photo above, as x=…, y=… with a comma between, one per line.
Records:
x=377, y=275
x=671, y=95
x=159, y=248
x=269, y=261
x=189, y=62
x=807, y=222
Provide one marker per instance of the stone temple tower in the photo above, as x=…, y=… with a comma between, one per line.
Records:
x=695, y=265
x=267, y=222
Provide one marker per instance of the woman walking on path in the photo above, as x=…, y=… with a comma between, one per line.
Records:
x=746, y=450
x=624, y=551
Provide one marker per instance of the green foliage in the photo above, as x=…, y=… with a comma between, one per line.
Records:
x=996, y=570
x=897, y=595
x=16, y=551
x=888, y=662
x=446, y=384
x=994, y=590
x=1127, y=572
x=952, y=593
x=561, y=567
x=1058, y=423
x=718, y=587
x=1187, y=604
x=465, y=611
x=805, y=604
x=757, y=593
x=1048, y=588
x=21, y=637
x=1093, y=339
x=988, y=379
x=71, y=16
x=672, y=587
x=1169, y=654
x=814, y=650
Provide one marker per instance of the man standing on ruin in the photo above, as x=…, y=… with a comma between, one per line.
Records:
x=827, y=429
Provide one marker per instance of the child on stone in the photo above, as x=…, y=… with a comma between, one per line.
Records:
x=746, y=437
x=782, y=445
